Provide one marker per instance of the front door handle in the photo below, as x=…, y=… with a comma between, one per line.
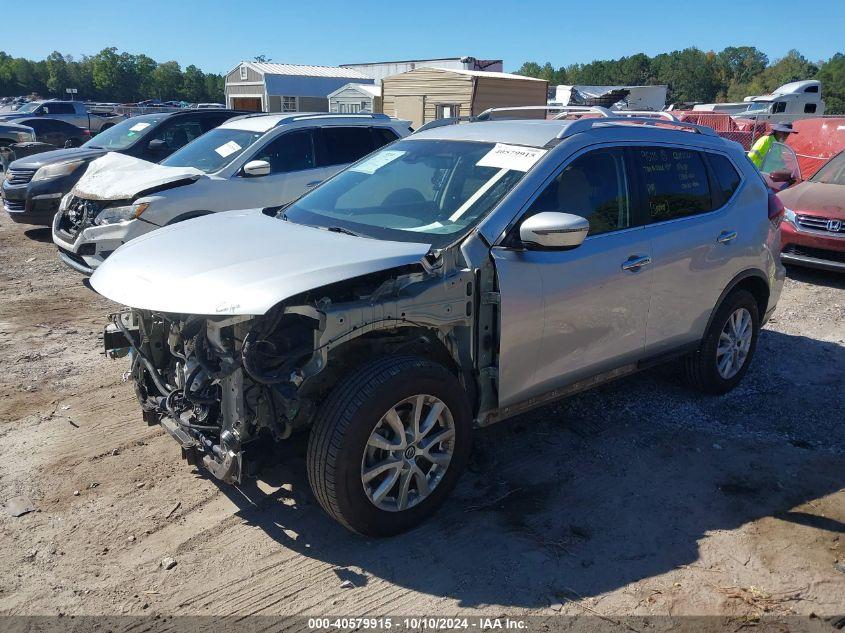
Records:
x=313, y=183
x=636, y=262
x=726, y=236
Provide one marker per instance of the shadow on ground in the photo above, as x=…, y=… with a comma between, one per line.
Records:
x=601, y=490
x=42, y=234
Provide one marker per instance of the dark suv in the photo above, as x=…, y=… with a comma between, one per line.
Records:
x=35, y=185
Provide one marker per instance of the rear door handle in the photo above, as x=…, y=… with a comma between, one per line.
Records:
x=726, y=236
x=635, y=262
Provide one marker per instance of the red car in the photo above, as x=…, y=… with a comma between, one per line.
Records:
x=813, y=230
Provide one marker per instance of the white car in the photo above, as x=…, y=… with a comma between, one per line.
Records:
x=252, y=161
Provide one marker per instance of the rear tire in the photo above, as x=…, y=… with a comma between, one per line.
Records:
x=353, y=430
x=728, y=345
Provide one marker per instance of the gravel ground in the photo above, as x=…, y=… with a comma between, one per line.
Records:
x=639, y=497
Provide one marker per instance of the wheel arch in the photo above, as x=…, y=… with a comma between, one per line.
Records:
x=415, y=340
x=754, y=281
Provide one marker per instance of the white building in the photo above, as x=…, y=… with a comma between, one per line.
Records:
x=355, y=97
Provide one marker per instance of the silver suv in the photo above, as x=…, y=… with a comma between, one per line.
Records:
x=457, y=277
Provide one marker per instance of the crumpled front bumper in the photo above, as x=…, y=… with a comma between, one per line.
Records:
x=92, y=245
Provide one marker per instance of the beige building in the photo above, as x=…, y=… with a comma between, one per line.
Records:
x=426, y=94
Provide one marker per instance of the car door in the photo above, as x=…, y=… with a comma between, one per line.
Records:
x=293, y=170
x=570, y=314
x=695, y=239
x=45, y=131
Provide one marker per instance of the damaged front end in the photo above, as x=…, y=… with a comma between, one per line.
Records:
x=228, y=387
x=215, y=384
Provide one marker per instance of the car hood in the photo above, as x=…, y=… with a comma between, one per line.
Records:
x=816, y=197
x=120, y=177
x=57, y=156
x=239, y=262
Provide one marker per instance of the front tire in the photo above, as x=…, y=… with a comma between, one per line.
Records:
x=727, y=347
x=388, y=445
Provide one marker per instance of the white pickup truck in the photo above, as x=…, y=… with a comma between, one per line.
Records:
x=73, y=112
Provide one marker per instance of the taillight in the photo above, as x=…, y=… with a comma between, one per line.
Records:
x=776, y=210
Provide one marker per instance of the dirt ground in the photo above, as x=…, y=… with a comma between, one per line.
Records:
x=640, y=497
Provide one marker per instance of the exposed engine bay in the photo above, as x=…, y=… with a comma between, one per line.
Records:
x=227, y=386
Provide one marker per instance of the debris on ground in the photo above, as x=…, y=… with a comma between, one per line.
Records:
x=175, y=507
x=167, y=562
x=19, y=506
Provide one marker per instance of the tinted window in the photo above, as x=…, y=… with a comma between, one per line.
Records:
x=674, y=182
x=592, y=186
x=382, y=136
x=293, y=151
x=179, y=134
x=58, y=108
x=809, y=108
x=727, y=178
x=343, y=145
x=211, y=122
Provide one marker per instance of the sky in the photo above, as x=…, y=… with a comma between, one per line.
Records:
x=216, y=35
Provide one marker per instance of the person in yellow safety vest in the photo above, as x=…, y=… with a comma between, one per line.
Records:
x=780, y=132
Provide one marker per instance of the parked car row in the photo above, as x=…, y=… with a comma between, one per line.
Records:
x=813, y=233
x=388, y=292
x=34, y=186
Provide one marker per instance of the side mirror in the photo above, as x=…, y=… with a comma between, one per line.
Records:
x=781, y=176
x=157, y=145
x=551, y=229
x=256, y=168
x=69, y=143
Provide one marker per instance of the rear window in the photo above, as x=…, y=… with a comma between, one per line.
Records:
x=727, y=178
x=674, y=182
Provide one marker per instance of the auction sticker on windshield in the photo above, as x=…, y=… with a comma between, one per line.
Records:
x=227, y=149
x=514, y=157
x=139, y=126
x=370, y=165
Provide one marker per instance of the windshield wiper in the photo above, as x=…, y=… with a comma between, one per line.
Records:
x=340, y=229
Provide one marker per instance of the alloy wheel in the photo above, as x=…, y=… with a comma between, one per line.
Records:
x=734, y=343
x=408, y=453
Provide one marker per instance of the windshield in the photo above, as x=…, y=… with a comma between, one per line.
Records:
x=32, y=106
x=758, y=107
x=417, y=191
x=832, y=172
x=124, y=134
x=213, y=150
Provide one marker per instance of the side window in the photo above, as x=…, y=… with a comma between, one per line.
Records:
x=726, y=176
x=178, y=134
x=58, y=108
x=809, y=108
x=382, y=136
x=780, y=106
x=293, y=151
x=343, y=145
x=210, y=122
x=674, y=182
x=593, y=186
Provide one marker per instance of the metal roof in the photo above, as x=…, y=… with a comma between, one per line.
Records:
x=301, y=70
x=487, y=73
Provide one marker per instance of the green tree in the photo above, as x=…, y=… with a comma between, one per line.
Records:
x=57, y=73
x=168, y=80
x=832, y=75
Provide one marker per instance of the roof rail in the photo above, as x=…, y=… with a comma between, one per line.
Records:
x=454, y=120
x=582, y=125
x=643, y=113
x=333, y=115
x=484, y=116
